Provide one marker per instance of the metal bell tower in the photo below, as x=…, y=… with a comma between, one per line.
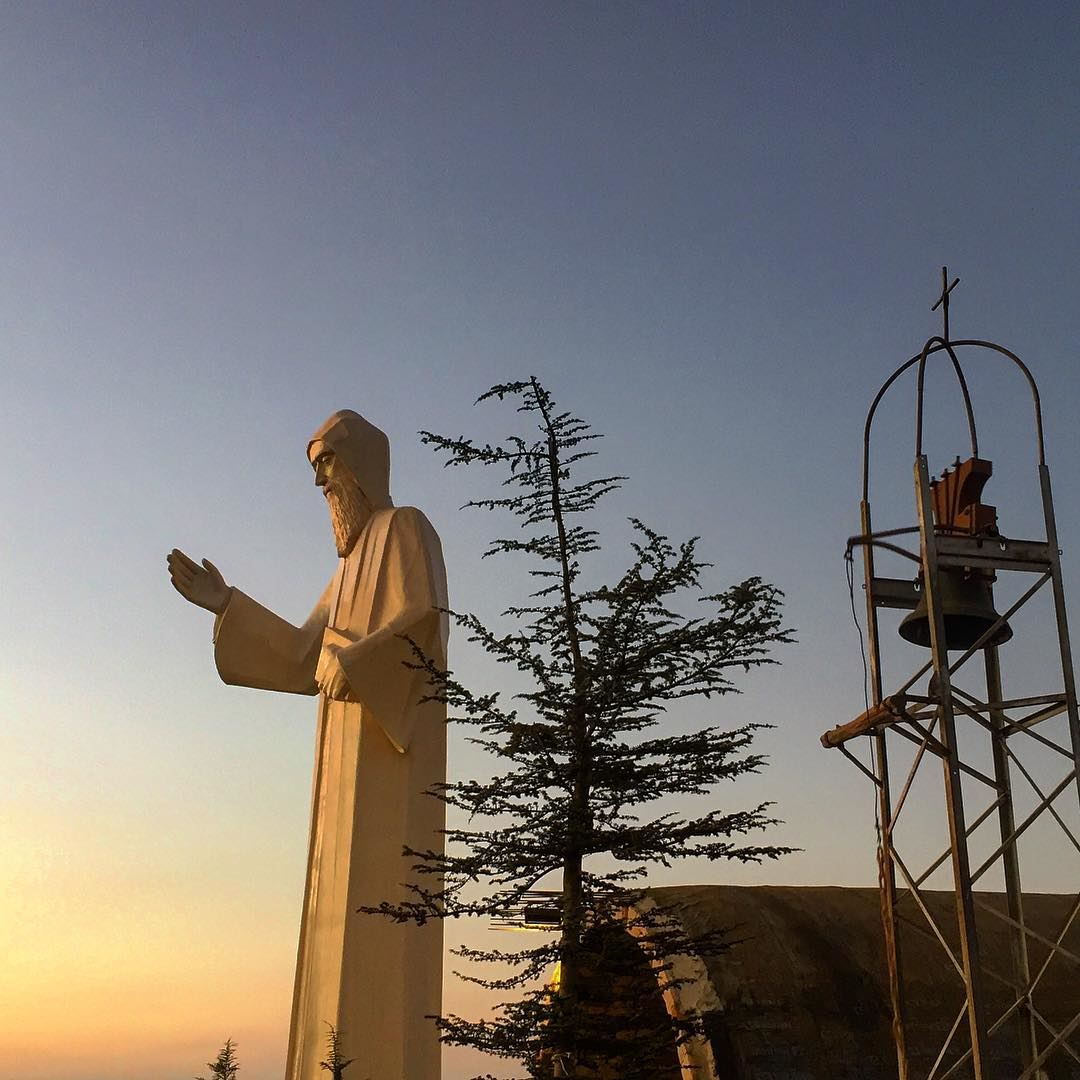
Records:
x=955, y=710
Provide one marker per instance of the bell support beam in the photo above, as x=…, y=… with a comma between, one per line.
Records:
x=954, y=793
x=995, y=553
x=894, y=593
x=1027, y=1036
x=1064, y=646
x=885, y=868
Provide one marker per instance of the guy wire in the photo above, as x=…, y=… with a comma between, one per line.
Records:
x=849, y=560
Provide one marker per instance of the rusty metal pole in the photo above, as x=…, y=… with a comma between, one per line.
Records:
x=1010, y=857
x=886, y=867
x=954, y=795
x=1065, y=648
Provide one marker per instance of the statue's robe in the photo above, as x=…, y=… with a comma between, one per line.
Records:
x=376, y=754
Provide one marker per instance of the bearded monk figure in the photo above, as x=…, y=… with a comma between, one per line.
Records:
x=379, y=748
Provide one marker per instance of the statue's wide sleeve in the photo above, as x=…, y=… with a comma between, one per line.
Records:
x=254, y=647
x=410, y=593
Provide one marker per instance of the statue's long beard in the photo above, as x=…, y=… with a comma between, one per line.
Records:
x=349, y=513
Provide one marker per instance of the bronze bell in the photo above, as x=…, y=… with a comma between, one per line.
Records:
x=967, y=606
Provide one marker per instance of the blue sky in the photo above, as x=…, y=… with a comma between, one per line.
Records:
x=711, y=230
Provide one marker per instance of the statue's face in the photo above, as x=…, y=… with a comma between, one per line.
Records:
x=325, y=466
x=349, y=509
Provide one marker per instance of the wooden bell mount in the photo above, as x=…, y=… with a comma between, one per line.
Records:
x=967, y=596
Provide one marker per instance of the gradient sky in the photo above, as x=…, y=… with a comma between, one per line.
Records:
x=712, y=230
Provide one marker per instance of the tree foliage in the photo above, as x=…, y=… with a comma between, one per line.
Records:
x=591, y=779
x=336, y=1063
x=226, y=1066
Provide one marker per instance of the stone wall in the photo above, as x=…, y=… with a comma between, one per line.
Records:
x=802, y=993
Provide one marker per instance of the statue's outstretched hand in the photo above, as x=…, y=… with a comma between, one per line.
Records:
x=202, y=585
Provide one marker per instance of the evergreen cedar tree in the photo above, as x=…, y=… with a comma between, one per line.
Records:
x=586, y=772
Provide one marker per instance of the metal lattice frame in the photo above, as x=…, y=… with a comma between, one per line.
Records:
x=927, y=709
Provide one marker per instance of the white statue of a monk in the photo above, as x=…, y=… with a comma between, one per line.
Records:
x=379, y=747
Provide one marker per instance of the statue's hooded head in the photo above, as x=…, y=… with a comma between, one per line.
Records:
x=356, y=491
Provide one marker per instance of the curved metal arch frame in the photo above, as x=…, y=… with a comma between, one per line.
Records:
x=935, y=345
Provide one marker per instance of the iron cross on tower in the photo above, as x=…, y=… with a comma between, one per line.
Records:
x=943, y=299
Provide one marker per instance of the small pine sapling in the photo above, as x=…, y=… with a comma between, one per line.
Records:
x=336, y=1063
x=226, y=1066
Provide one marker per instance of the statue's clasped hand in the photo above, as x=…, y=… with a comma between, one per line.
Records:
x=330, y=676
